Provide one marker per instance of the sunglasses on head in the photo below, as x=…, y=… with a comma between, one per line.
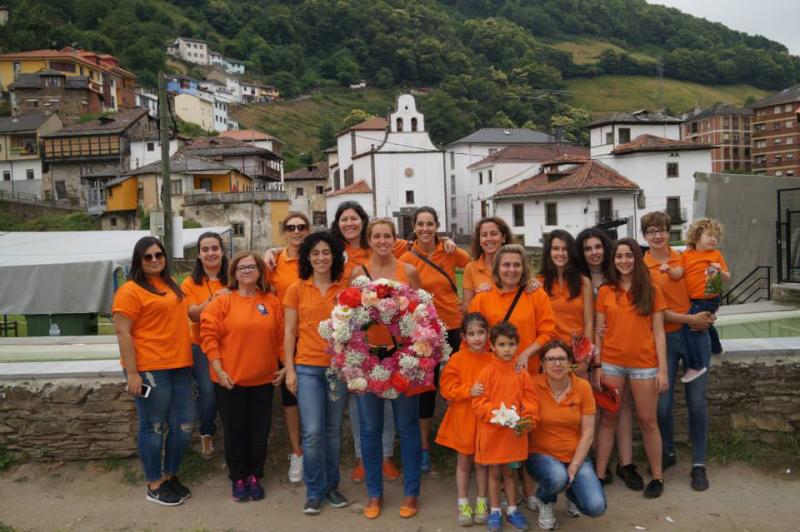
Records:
x=295, y=228
x=153, y=256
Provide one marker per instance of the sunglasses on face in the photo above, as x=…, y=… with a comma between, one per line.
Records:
x=295, y=228
x=149, y=257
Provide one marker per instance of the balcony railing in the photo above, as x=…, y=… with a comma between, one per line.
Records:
x=678, y=216
x=20, y=151
x=260, y=171
x=605, y=216
x=210, y=198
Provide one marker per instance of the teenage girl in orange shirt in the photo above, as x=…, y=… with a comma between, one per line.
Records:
x=149, y=315
x=208, y=280
x=633, y=349
x=458, y=386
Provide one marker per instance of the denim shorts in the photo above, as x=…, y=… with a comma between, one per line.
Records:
x=631, y=373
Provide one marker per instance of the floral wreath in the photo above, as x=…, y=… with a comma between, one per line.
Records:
x=420, y=338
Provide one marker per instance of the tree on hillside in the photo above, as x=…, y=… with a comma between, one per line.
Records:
x=356, y=116
x=327, y=136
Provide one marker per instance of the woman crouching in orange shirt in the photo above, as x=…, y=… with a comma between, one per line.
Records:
x=149, y=314
x=631, y=309
x=458, y=386
x=242, y=336
x=560, y=442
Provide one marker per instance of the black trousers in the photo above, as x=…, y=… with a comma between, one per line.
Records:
x=427, y=400
x=246, y=413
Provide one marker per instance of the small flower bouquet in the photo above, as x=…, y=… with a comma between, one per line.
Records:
x=713, y=281
x=510, y=418
x=582, y=348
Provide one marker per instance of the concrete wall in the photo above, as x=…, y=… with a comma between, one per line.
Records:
x=597, y=135
x=747, y=207
x=265, y=233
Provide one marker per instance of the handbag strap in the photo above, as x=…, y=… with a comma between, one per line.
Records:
x=514, y=303
x=436, y=267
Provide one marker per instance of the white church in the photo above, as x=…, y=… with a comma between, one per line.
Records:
x=389, y=168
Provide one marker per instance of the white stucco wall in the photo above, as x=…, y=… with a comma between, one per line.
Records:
x=332, y=203
x=141, y=157
x=597, y=135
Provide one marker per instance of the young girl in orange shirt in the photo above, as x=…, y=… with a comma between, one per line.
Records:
x=503, y=446
x=458, y=386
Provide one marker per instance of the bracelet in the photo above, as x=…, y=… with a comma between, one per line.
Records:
x=597, y=366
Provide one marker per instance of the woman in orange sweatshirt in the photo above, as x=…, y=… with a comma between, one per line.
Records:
x=149, y=314
x=503, y=447
x=242, y=336
x=458, y=386
x=437, y=271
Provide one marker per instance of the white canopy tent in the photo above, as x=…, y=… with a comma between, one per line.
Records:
x=67, y=272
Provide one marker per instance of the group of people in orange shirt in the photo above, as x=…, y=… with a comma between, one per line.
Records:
x=519, y=405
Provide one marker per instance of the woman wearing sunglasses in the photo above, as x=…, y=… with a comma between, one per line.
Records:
x=149, y=315
x=242, y=335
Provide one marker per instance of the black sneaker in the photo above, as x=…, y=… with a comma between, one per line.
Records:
x=164, y=495
x=180, y=490
x=312, y=507
x=654, y=489
x=254, y=488
x=336, y=499
x=699, y=480
x=668, y=460
x=630, y=477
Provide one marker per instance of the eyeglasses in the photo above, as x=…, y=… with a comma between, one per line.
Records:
x=295, y=228
x=149, y=257
x=655, y=232
x=246, y=268
x=556, y=360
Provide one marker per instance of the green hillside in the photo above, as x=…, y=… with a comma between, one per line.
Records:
x=587, y=51
x=606, y=94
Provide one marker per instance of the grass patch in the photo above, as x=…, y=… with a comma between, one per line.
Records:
x=730, y=447
x=607, y=94
x=6, y=528
x=112, y=464
x=6, y=458
x=587, y=51
x=132, y=474
x=195, y=468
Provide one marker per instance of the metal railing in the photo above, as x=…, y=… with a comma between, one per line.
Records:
x=33, y=199
x=605, y=216
x=678, y=216
x=208, y=198
x=750, y=287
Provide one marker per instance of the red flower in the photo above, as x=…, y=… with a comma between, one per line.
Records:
x=384, y=291
x=414, y=303
x=399, y=382
x=350, y=297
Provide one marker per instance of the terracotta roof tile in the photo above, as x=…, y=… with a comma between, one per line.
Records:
x=584, y=176
x=359, y=187
x=532, y=154
x=375, y=123
x=317, y=171
x=644, y=143
x=248, y=135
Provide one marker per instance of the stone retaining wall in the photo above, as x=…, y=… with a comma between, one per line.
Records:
x=89, y=419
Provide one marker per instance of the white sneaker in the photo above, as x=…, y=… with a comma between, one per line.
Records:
x=295, y=468
x=547, y=520
x=692, y=374
x=572, y=509
x=533, y=503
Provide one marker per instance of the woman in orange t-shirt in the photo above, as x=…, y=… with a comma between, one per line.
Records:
x=296, y=228
x=149, y=315
x=383, y=265
x=207, y=281
x=309, y=301
x=570, y=291
x=633, y=349
x=437, y=271
x=490, y=234
x=245, y=371
x=560, y=442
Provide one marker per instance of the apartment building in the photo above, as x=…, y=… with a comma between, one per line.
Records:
x=776, y=134
x=727, y=129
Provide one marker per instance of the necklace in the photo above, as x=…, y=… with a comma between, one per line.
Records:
x=558, y=394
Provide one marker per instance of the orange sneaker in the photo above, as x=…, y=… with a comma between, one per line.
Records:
x=358, y=474
x=390, y=471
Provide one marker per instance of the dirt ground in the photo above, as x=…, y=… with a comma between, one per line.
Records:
x=106, y=496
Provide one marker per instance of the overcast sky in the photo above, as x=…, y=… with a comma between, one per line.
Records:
x=778, y=20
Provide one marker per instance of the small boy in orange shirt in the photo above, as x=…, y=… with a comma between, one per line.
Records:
x=704, y=272
x=458, y=385
x=507, y=410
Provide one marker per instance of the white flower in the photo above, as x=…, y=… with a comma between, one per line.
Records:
x=504, y=416
x=325, y=329
x=361, y=281
x=424, y=297
x=407, y=325
x=358, y=384
x=341, y=313
x=408, y=362
x=379, y=373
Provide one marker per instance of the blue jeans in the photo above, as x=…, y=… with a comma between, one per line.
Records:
x=696, y=345
x=387, y=440
x=206, y=407
x=171, y=403
x=695, y=392
x=406, y=422
x=321, y=421
x=551, y=476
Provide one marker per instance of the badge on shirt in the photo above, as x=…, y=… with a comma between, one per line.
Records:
x=262, y=309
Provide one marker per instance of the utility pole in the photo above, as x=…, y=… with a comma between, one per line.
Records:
x=166, y=183
x=660, y=69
